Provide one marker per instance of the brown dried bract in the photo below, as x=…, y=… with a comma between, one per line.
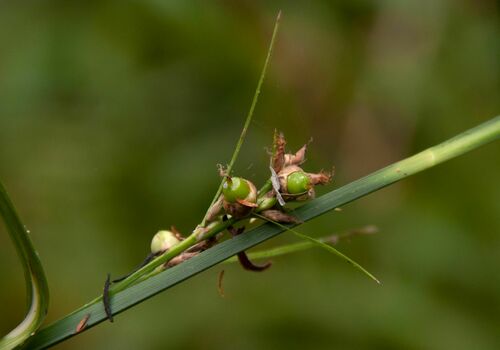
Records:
x=82, y=324
x=250, y=266
x=215, y=209
x=298, y=158
x=180, y=258
x=222, y=170
x=320, y=178
x=278, y=158
x=279, y=216
x=176, y=233
x=247, y=203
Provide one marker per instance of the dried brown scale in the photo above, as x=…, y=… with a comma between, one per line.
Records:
x=82, y=324
x=215, y=209
x=297, y=158
x=278, y=158
x=176, y=233
x=279, y=216
x=321, y=178
x=180, y=259
x=192, y=251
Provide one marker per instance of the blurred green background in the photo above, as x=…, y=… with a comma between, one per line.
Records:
x=114, y=114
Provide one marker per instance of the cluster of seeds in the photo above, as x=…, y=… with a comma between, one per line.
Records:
x=238, y=201
x=240, y=198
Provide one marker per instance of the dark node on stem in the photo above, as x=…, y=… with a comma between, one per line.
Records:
x=82, y=324
x=220, y=287
x=146, y=261
x=106, y=299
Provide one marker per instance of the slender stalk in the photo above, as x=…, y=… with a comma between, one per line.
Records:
x=248, y=118
x=463, y=143
x=304, y=245
x=324, y=246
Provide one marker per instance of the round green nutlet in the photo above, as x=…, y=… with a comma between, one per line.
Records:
x=235, y=188
x=298, y=182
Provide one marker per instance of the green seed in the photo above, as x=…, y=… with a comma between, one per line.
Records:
x=235, y=188
x=298, y=182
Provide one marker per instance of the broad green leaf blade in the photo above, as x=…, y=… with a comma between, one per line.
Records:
x=36, y=284
x=323, y=245
x=465, y=142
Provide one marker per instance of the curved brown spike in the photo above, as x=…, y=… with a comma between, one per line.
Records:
x=248, y=265
x=242, y=256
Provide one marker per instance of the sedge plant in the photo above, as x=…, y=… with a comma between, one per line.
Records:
x=236, y=202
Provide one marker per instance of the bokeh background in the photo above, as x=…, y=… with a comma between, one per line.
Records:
x=114, y=114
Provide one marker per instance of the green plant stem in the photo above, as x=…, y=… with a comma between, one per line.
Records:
x=198, y=235
x=461, y=144
x=248, y=118
x=265, y=188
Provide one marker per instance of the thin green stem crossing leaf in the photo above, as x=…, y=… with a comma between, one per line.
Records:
x=249, y=115
x=323, y=245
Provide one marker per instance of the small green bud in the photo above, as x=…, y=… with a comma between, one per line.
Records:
x=235, y=188
x=298, y=182
x=163, y=241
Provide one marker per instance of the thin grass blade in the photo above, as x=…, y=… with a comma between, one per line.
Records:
x=249, y=115
x=323, y=245
x=36, y=283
